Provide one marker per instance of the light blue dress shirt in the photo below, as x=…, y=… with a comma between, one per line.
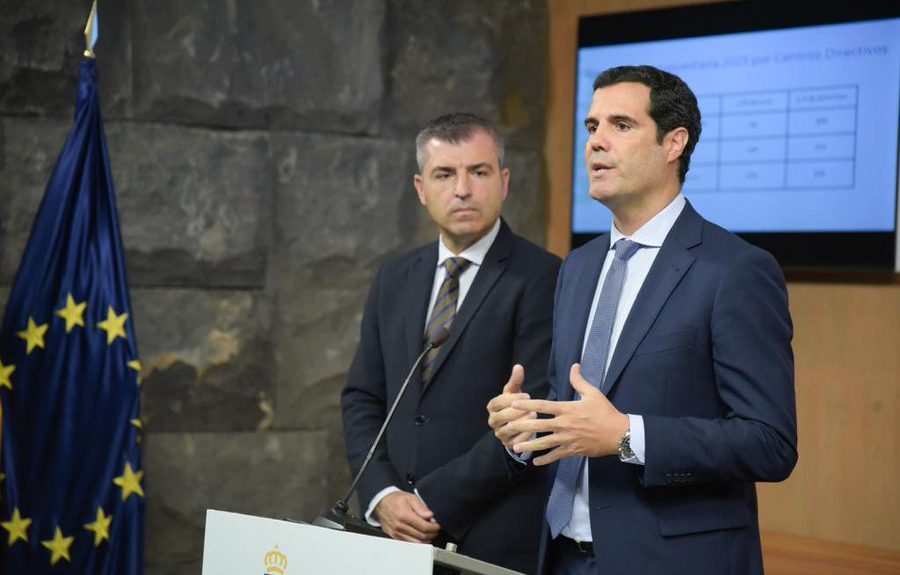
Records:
x=651, y=236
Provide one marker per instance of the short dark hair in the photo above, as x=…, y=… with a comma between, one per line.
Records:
x=672, y=103
x=455, y=128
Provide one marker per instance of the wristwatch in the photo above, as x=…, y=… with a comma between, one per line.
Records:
x=625, y=452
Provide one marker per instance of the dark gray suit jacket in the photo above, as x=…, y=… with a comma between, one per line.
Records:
x=439, y=442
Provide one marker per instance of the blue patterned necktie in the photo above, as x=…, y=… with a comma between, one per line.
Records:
x=444, y=310
x=593, y=369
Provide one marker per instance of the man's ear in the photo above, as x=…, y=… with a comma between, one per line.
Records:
x=504, y=176
x=420, y=189
x=676, y=141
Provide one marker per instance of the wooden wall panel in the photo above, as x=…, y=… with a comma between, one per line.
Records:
x=847, y=348
x=792, y=555
x=847, y=353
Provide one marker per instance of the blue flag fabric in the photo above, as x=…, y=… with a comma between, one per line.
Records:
x=72, y=484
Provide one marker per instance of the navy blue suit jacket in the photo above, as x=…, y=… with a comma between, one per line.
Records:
x=439, y=441
x=705, y=357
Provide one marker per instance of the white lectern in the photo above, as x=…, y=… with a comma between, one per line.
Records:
x=238, y=544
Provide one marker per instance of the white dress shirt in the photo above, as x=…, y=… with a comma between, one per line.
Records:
x=651, y=236
x=475, y=254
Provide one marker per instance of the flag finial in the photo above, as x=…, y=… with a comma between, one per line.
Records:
x=91, y=32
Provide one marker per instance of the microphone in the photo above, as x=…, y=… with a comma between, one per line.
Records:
x=337, y=517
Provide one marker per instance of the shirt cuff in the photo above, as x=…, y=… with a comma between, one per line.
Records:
x=370, y=518
x=637, y=439
x=519, y=457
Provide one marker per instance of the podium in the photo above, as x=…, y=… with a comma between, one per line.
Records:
x=244, y=544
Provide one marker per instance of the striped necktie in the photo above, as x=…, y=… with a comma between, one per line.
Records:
x=444, y=310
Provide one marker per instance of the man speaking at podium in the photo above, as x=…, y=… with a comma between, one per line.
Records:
x=440, y=475
x=671, y=373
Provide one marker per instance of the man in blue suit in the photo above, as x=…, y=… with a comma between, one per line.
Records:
x=671, y=370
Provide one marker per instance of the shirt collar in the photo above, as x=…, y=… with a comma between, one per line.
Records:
x=474, y=253
x=654, y=232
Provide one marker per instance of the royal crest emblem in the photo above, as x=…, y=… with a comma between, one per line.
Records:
x=276, y=562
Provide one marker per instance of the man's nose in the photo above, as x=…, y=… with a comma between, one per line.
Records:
x=598, y=140
x=463, y=186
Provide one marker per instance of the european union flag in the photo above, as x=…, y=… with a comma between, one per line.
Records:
x=73, y=499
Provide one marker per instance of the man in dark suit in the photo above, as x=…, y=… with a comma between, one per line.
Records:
x=671, y=372
x=440, y=475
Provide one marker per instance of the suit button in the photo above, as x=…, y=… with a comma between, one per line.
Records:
x=410, y=478
x=420, y=420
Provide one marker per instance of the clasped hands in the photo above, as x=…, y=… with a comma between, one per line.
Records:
x=405, y=517
x=590, y=426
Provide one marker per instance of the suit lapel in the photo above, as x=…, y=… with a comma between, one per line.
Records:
x=585, y=285
x=672, y=262
x=419, y=283
x=493, y=266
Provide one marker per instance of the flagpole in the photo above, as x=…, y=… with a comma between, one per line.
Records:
x=90, y=32
x=58, y=354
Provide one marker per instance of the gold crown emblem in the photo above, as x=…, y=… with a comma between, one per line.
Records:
x=276, y=562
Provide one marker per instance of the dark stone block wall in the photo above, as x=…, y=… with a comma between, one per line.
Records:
x=263, y=158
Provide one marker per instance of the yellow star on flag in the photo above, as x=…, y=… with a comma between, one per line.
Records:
x=139, y=425
x=136, y=366
x=58, y=546
x=33, y=335
x=5, y=372
x=73, y=313
x=130, y=482
x=113, y=325
x=17, y=527
x=100, y=527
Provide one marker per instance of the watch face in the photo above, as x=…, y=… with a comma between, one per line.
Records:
x=625, y=451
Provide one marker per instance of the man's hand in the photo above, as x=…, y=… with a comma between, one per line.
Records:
x=501, y=412
x=591, y=426
x=403, y=516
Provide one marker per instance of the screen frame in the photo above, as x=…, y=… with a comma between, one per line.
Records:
x=826, y=251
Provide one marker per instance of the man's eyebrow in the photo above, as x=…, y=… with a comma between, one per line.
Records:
x=616, y=118
x=612, y=119
x=480, y=166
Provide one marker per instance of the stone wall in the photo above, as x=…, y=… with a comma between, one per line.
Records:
x=263, y=159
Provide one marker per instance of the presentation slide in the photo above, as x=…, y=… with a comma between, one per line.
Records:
x=800, y=126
